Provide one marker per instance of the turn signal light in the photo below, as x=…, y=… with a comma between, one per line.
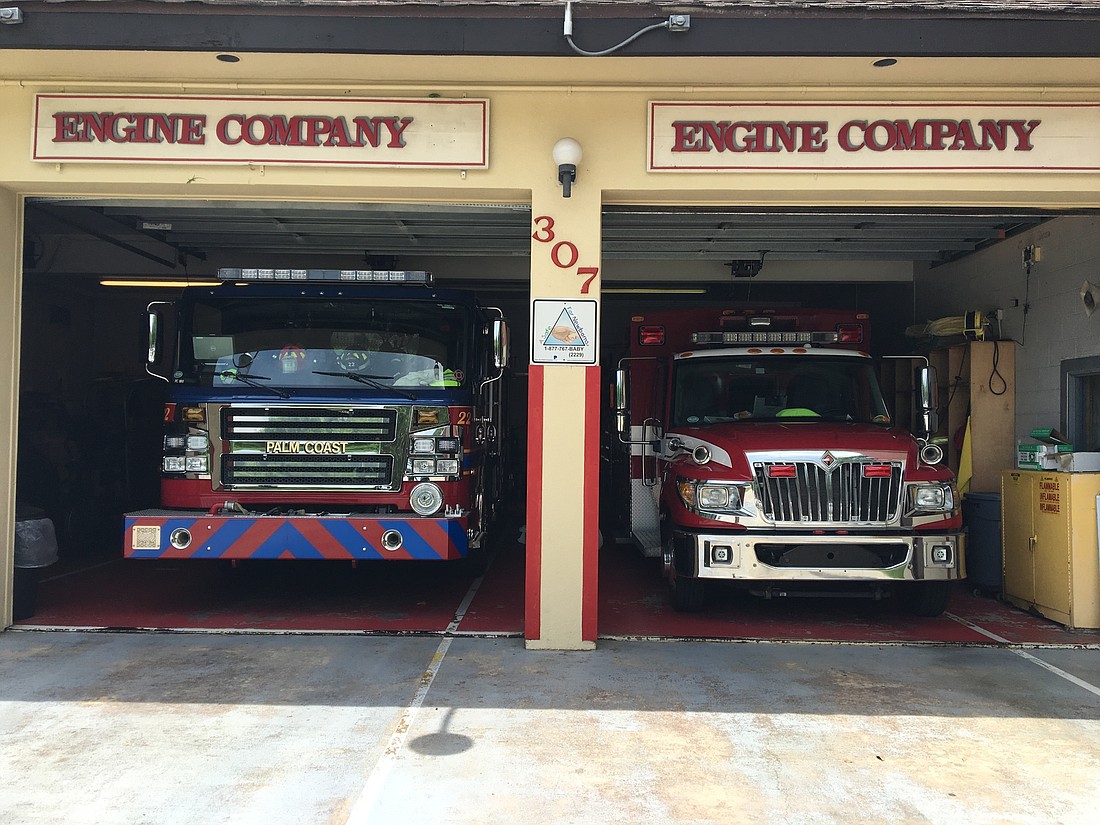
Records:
x=782, y=471
x=194, y=415
x=877, y=470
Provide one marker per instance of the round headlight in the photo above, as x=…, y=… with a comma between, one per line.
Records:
x=426, y=498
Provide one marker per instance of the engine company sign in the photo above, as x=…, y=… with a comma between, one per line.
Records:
x=705, y=137
x=433, y=134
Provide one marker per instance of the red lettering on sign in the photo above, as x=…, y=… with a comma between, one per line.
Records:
x=128, y=127
x=749, y=136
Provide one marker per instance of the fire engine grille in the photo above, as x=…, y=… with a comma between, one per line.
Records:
x=309, y=447
x=308, y=423
x=257, y=470
x=843, y=494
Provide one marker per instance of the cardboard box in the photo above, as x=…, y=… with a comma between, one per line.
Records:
x=1081, y=462
x=1040, y=456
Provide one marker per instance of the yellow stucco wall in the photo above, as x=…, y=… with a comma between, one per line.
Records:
x=601, y=103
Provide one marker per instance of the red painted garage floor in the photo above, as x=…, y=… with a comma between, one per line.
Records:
x=426, y=598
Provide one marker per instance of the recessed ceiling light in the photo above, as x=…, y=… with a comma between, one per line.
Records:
x=886, y=61
x=229, y=58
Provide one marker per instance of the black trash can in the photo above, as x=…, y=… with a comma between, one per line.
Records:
x=35, y=548
x=982, y=518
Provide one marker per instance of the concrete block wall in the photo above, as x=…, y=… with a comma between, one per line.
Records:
x=1056, y=327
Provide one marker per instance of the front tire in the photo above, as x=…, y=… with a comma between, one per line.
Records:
x=927, y=599
x=687, y=595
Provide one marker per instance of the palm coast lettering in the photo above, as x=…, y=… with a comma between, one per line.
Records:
x=230, y=130
x=854, y=136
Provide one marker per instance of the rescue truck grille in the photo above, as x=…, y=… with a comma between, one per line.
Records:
x=308, y=423
x=308, y=447
x=847, y=493
x=306, y=471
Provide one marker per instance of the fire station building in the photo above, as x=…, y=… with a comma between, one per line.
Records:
x=598, y=160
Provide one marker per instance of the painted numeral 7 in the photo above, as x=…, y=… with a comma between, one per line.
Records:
x=591, y=272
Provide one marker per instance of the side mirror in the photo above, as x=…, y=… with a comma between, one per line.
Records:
x=155, y=339
x=929, y=388
x=500, y=344
x=622, y=406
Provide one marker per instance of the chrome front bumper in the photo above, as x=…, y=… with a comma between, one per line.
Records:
x=818, y=558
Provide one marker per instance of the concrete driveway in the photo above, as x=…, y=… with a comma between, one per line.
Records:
x=168, y=728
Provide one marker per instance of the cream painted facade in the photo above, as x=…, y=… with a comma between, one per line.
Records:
x=602, y=103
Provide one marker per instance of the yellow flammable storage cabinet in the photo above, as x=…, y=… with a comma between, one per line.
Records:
x=1050, y=547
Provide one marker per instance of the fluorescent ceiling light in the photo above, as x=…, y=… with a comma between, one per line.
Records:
x=653, y=291
x=149, y=283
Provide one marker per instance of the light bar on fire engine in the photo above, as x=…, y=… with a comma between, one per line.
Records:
x=764, y=338
x=392, y=276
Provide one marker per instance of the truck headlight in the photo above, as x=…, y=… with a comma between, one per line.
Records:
x=932, y=497
x=718, y=497
x=174, y=442
x=423, y=466
x=173, y=464
x=447, y=466
x=698, y=496
x=198, y=443
x=197, y=464
x=446, y=445
x=423, y=445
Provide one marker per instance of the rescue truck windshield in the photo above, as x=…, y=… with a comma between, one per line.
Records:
x=297, y=342
x=728, y=388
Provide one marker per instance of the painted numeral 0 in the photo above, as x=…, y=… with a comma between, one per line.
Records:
x=544, y=233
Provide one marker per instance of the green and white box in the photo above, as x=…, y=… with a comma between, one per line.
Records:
x=1040, y=456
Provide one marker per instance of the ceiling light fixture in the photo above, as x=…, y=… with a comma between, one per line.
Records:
x=142, y=282
x=652, y=291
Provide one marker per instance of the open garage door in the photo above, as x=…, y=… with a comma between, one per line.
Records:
x=91, y=440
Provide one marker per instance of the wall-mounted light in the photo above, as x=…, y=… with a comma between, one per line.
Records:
x=567, y=154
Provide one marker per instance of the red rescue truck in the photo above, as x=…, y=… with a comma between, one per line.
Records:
x=761, y=452
x=325, y=414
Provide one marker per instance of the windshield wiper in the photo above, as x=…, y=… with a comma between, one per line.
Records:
x=371, y=381
x=253, y=381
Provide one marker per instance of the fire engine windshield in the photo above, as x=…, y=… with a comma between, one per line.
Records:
x=734, y=388
x=314, y=343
